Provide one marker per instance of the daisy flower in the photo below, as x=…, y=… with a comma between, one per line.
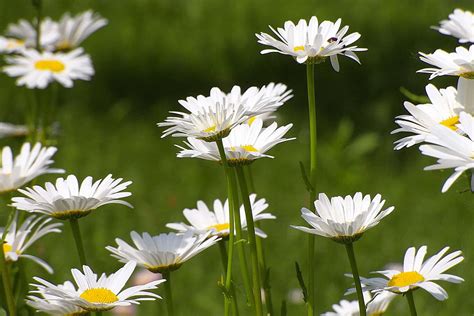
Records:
x=459, y=63
x=49, y=304
x=418, y=273
x=452, y=149
x=10, y=45
x=244, y=144
x=12, y=130
x=67, y=199
x=74, y=30
x=26, y=33
x=460, y=24
x=100, y=294
x=212, y=117
x=216, y=222
x=444, y=109
x=272, y=91
x=38, y=70
x=344, y=219
x=29, y=164
x=378, y=305
x=18, y=239
x=312, y=42
x=162, y=253
x=344, y=308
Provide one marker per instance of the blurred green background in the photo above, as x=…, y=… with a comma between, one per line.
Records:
x=155, y=52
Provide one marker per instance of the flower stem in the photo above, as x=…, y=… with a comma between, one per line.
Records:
x=6, y=277
x=355, y=273
x=76, y=232
x=168, y=295
x=311, y=300
x=223, y=253
x=38, y=4
x=98, y=313
x=252, y=240
x=233, y=201
x=411, y=303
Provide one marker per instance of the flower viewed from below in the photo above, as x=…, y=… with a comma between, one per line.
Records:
x=444, y=109
x=12, y=130
x=38, y=70
x=29, y=164
x=51, y=305
x=25, y=32
x=460, y=24
x=459, y=63
x=244, y=144
x=74, y=30
x=67, y=199
x=18, y=239
x=344, y=219
x=418, y=273
x=453, y=149
x=216, y=222
x=312, y=42
x=161, y=253
x=101, y=294
x=376, y=306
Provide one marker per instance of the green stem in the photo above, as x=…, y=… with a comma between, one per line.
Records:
x=168, y=295
x=76, y=232
x=6, y=280
x=312, y=178
x=223, y=253
x=233, y=201
x=252, y=240
x=411, y=303
x=355, y=273
x=98, y=313
x=38, y=4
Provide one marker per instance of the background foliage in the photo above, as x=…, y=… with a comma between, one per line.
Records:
x=154, y=52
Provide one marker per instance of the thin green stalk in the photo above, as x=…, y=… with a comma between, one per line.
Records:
x=98, y=313
x=232, y=197
x=355, y=273
x=38, y=4
x=223, y=253
x=411, y=303
x=252, y=240
x=312, y=178
x=76, y=232
x=6, y=280
x=168, y=295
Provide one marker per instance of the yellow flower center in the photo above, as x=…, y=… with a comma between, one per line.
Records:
x=220, y=227
x=451, y=122
x=50, y=65
x=7, y=248
x=249, y=148
x=251, y=120
x=210, y=129
x=405, y=279
x=298, y=48
x=99, y=295
x=14, y=43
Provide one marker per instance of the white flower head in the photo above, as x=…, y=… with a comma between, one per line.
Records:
x=344, y=219
x=32, y=162
x=25, y=31
x=74, y=30
x=459, y=63
x=12, y=130
x=216, y=222
x=243, y=145
x=19, y=239
x=312, y=42
x=453, y=149
x=38, y=70
x=444, y=109
x=378, y=304
x=417, y=273
x=344, y=308
x=460, y=25
x=49, y=304
x=100, y=294
x=67, y=199
x=161, y=253
x=10, y=45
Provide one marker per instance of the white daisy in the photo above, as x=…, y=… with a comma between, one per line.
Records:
x=444, y=109
x=376, y=306
x=18, y=239
x=67, y=199
x=216, y=222
x=211, y=118
x=26, y=32
x=12, y=130
x=29, y=164
x=460, y=24
x=38, y=70
x=418, y=273
x=164, y=252
x=344, y=219
x=459, y=63
x=344, y=308
x=74, y=30
x=452, y=149
x=272, y=91
x=10, y=45
x=49, y=304
x=312, y=42
x=244, y=144
x=101, y=294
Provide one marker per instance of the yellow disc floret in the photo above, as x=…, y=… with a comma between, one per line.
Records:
x=220, y=227
x=50, y=65
x=405, y=279
x=99, y=295
x=7, y=248
x=451, y=122
x=298, y=48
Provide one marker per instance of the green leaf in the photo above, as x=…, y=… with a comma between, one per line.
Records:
x=309, y=187
x=299, y=276
x=414, y=97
